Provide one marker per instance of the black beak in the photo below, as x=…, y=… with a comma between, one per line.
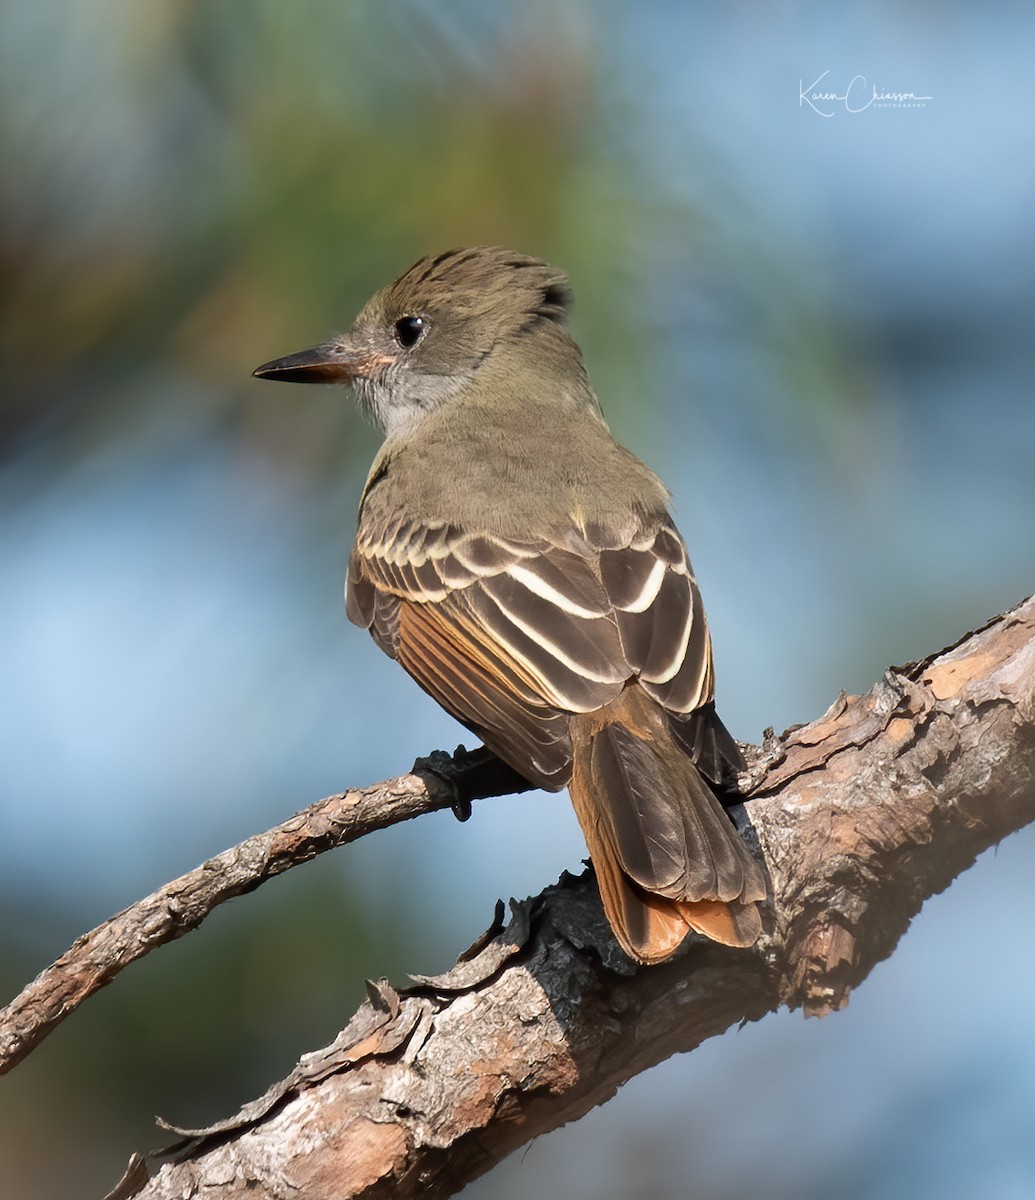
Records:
x=323, y=364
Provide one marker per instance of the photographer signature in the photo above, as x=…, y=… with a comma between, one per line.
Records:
x=855, y=98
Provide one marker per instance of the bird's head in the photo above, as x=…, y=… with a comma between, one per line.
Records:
x=446, y=326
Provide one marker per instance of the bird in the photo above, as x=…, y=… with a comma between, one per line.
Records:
x=523, y=567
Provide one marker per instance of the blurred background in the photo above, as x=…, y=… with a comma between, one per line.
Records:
x=816, y=325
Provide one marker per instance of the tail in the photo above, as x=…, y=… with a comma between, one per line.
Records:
x=666, y=856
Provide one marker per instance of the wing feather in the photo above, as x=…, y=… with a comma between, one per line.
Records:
x=512, y=637
x=481, y=689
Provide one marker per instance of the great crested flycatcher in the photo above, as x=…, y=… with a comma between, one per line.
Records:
x=523, y=568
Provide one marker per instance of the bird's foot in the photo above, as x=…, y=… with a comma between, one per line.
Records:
x=471, y=775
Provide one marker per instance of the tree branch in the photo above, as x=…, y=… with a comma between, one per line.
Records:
x=859, y=816
x=93, y=960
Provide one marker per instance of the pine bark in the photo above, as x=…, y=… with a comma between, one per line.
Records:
x=858, y=817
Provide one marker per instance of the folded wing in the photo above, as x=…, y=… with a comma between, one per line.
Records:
x=510, y=635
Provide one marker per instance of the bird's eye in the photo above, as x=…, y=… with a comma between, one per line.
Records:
x=409, y=331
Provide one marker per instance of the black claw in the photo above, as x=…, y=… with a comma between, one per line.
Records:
x=462, y=809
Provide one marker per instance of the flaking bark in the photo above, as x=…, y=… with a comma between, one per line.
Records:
x=859, y=817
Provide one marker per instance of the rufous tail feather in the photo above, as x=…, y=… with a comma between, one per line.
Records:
x=667, y=858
